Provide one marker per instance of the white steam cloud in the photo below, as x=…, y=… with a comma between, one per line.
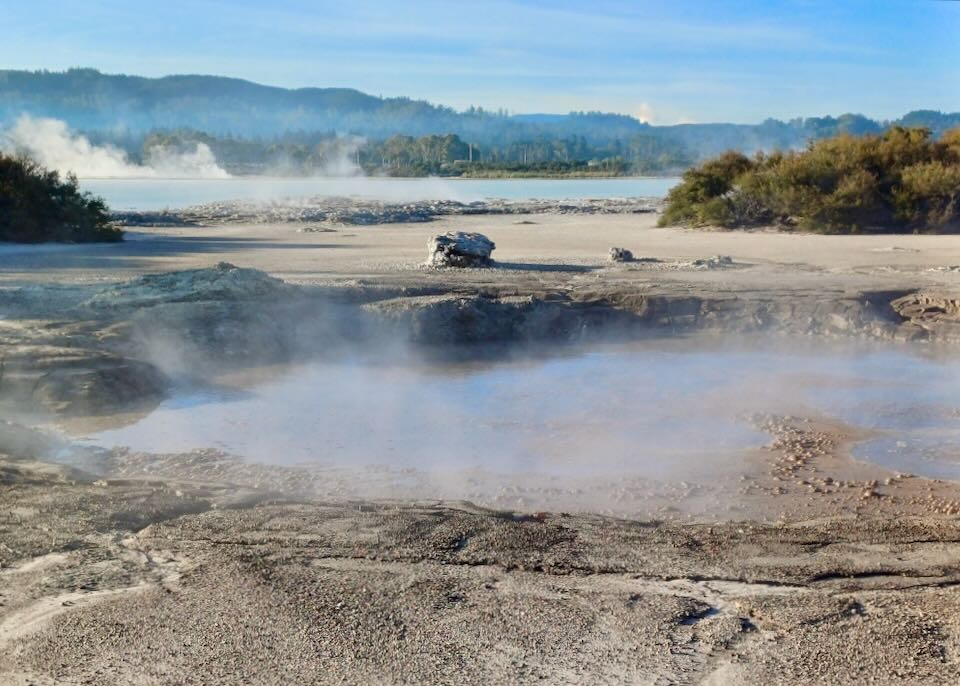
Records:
x=332, y=158
x=340, y=156
x=51, y=143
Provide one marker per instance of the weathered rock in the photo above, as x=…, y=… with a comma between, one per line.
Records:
x=620, y=255
x=715, y=262
x=460, y=249
x=928, y=315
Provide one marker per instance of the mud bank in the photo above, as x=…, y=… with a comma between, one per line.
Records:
x=91, y=349
x=568, y=316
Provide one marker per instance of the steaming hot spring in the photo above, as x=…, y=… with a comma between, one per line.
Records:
x=569, y=428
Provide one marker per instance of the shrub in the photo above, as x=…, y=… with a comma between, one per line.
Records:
x=900, y=180
x=929, y=192
x=36, y=205
x=702, y=197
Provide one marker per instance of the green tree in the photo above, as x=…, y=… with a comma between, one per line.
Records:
x=36, y=205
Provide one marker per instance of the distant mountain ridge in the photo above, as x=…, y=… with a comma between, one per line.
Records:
x=90, y=100
x=133, y=106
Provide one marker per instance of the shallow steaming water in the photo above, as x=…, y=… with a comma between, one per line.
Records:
x=639, y=409
x=158, y=194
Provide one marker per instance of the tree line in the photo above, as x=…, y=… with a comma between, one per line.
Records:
x=129, y=106
x=401, y=155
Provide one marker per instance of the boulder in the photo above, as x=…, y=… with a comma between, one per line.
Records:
x=460, y=249
x=620, y=255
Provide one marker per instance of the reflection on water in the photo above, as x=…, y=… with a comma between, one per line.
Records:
x=158, y=194
x=645, y=408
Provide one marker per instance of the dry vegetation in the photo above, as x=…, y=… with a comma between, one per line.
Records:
x=901, y=180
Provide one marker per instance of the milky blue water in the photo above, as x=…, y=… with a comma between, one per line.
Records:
x=158, y=194
x=635, y=409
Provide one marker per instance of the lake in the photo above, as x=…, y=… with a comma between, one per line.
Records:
x=158, y=194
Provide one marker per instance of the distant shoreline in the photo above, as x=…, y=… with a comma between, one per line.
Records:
x=518, y=177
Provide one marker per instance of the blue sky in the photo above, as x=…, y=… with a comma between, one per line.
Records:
x=661, y=61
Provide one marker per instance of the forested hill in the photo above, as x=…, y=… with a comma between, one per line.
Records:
x=89, y=100
x=128, y=108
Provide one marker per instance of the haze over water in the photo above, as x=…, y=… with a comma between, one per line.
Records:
x=651, y=408
x=159, y=194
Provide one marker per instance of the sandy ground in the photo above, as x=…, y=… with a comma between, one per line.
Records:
x=556, y=250
x=197, y=569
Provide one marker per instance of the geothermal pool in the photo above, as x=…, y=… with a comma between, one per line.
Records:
x=653, y=409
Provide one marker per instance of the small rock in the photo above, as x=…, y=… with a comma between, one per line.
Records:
x=620, y=255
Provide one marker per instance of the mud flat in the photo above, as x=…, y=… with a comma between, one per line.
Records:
x=199, y=566
x=358, y=212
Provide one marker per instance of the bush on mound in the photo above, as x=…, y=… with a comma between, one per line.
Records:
x=36, y=205
x=901, y=180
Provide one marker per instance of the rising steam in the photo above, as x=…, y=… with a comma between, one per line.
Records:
x=51, y=143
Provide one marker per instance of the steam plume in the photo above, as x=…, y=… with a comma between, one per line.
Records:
x=52, y=144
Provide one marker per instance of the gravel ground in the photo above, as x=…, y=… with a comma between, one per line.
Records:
x=161, y=582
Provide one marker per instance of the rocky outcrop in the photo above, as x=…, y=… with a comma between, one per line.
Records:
x=460, y=249
x=929, y=316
